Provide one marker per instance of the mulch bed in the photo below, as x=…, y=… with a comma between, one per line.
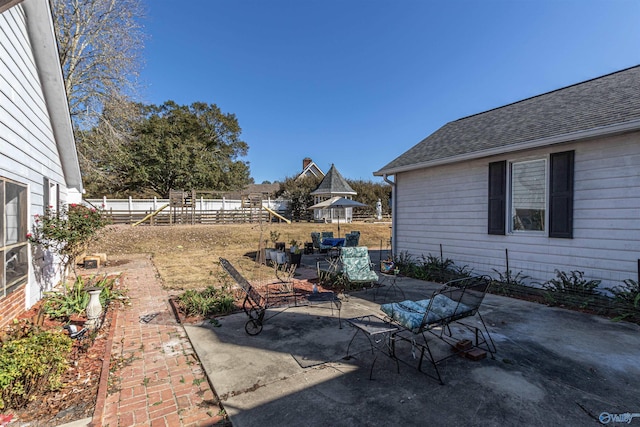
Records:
x=76, y=399
x=279, y=295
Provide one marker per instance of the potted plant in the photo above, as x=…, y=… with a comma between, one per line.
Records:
x=295, y=252
x=273, y=251
x=274, y=236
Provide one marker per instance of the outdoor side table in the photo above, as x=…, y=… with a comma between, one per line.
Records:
x=380, y=335
x=391, y=279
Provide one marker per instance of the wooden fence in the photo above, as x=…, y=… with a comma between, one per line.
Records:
x=199, y=217
x=234, y=216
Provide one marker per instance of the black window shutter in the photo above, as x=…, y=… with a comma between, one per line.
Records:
x=561, y=195
x=497, y=197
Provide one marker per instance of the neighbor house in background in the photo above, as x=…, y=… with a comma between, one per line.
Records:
x=309, y=168
x=332, y=185
x=553, y=180
x=38, y=160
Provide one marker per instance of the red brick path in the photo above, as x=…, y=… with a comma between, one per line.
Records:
x=158, y=380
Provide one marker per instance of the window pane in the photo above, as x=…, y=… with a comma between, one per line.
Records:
x=17, y=267
x=15, y=213
x=528, y=195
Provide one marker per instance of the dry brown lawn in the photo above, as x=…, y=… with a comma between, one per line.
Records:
x=186, y=256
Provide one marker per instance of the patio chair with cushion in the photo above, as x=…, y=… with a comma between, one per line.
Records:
x=325, y=235
x=356, y=265
x=456, y=300
x=351, y=239
x=315, y=238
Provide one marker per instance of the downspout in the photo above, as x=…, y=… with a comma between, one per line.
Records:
x=394, y=203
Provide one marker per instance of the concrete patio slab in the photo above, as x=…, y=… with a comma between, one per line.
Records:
x=553, y=367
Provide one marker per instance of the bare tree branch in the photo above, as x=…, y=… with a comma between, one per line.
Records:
x=100, y=47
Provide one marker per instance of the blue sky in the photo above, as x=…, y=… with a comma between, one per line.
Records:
x=358, y=82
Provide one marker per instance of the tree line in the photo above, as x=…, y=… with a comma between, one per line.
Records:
x=127, y=148
x=297, y=190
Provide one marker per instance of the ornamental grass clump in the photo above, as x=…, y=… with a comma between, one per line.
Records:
x=571, y=289
x=207, y=302
x=73, y=298
x=626, y=299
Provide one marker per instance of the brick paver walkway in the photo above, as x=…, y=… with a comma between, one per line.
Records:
x=156, y=378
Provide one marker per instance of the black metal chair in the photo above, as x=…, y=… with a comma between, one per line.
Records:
x=432, y=317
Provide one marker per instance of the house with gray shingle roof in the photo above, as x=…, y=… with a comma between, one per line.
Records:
x=332, y=185
x=553, y=181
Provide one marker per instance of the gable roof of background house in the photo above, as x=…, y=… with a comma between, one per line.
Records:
x=310, y=168
x=333, y=183
x=601, y=106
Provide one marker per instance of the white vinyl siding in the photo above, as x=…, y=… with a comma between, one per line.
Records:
x=14, y=258
x=447, y=206
x=28, y=150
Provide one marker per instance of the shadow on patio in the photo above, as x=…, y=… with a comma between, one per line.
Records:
x=553, y=367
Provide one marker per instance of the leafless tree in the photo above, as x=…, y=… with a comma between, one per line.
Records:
x=100, y=47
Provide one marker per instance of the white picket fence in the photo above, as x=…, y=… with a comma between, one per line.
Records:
x=128, y=211
x=202, y=204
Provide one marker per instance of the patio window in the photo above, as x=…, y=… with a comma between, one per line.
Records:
x=530, y=201
x=13, y=236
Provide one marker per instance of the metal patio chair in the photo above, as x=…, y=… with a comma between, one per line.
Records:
x=421, y=320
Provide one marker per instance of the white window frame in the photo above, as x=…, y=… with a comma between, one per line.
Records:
x=13, y=254
x=510, y=215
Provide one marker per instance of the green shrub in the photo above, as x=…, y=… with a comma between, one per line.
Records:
x=207, y=302
x=431, y=268
x=405, y=263
x=437, y=269
x=73, y=299
x=626, y=300
x=507, y=281
x=67, y=230
x=31, y=365
x=571, y=289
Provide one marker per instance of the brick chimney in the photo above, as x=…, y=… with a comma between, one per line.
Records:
x=306, y=162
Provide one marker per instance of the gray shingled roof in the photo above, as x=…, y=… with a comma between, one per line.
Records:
x=609, y=100
x=333, y=183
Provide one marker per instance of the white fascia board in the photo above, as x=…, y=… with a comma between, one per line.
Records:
x=610, y=130
x=45, y=50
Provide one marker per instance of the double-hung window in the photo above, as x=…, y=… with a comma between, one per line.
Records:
x=532, y=196
x=528, y=196
x=14, y=257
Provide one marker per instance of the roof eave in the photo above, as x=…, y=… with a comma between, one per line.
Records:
x=44, y=45
x=610, y=130
x=8, y=4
